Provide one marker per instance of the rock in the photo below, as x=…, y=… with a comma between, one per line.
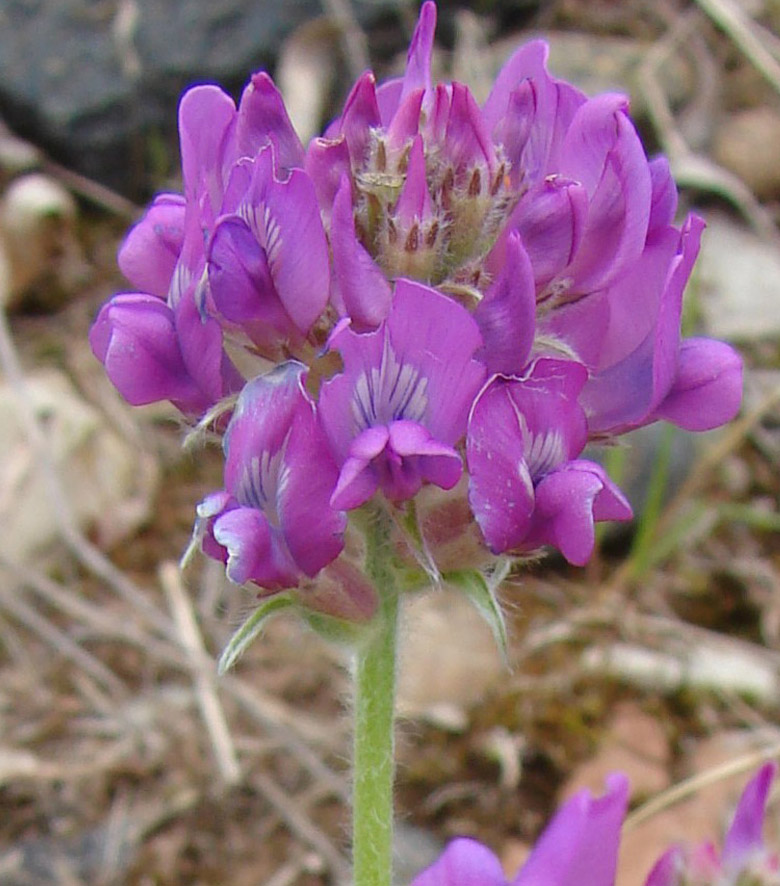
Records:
x=746, y=144
x=97, y=84
x=16, y=155
x=711, y=666
x=414, y=849
x=108, y=482
x=98, y=855
x=448, y=659
x=38, y=244
x=739, y=282
x=635, y=743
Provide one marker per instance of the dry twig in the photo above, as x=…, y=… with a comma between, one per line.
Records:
x=204, y=677
x=84, y=551
x=691, y=169
x=683, y=790
x=733, y=20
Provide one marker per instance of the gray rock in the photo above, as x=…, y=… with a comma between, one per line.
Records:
x=97, y=84
x=746, y=144
x=738, y=282
x=413, y=850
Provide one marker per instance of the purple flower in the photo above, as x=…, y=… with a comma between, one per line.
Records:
x=273, y=524
x=418, y=181
x=579, y=846
x=642, y=370
x=268, y=267
x=527, y=487
x=152, y=247
x=395, y=413
x=154, y=352
x=744, y=859
x=165, y=349
x=174, y=350
x=502, y=280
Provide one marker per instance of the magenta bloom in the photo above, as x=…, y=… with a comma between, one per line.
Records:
x=744, y=860
x=495, y=286
x=579, y=846
x=161, y=341
x=260, y=277
x=395, y=412
x=273, y=523
x=527, y=486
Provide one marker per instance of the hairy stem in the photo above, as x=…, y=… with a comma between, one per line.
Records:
x=374, y=716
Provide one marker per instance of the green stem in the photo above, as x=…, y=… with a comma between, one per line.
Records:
x=374, y=714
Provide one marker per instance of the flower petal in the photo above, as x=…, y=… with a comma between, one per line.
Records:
x=602, y=151
x=569, y=500
x=663, y=202
x=580, y=844
x=433, y=461
x=262, y=119
x=270, y=445
x=312, y=529
x=551, y=219
x=253, y=552
x=211, y=507
x=464, y=862
x=201, y=344
x=501, y=492
x=438, y=337
x=261, y=422
x=135, y=338
x=414, y=202
x=327, y=162
x=467, y=143
x=359, y=478
x=206, y=117
x=241, y=284
x=285, y=218
x=418, y=60
x=667, y=870
x=550, y=416
x=745, y=835
x=635, y=298
x=363, y=288
x=360, y=117
x=151, y=249
x=554, y=106
x=507, y=313
x=707, y=390
x=627, y=394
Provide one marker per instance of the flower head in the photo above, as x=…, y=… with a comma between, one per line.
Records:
x=272, y=523
x=468, y=292
x=579, y=846
x=745, y=859
x=400, y=405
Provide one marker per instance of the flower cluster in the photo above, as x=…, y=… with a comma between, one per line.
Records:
x=581, y=843
x=434, y=293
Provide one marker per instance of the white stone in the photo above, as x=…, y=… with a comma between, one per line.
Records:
x=108, y=482
x=738, y=280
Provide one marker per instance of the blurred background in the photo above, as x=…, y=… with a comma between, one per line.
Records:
x=123, y=759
